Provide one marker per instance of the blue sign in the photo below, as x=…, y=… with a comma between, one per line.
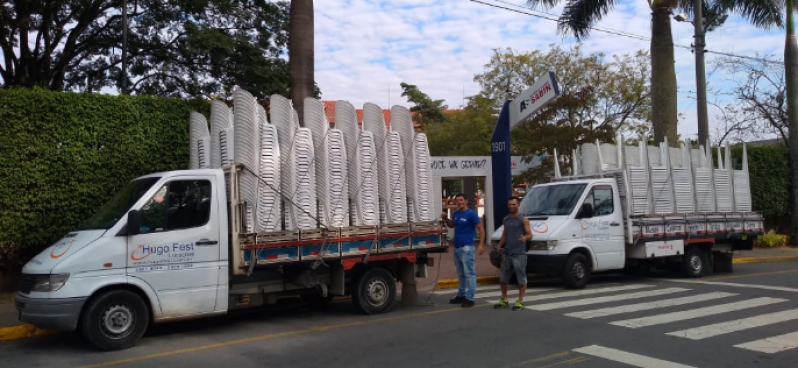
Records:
x=502, y=169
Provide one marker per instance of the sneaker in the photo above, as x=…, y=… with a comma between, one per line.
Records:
x=501, y=304
x=467, y=303
x=518, y=305
x=457, y=300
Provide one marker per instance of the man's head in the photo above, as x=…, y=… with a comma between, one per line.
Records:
x=512, y=205
x=461, y=201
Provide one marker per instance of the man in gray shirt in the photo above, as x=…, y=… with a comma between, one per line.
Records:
x=516, y=233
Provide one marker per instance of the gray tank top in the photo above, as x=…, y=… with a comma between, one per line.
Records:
x=513, y=230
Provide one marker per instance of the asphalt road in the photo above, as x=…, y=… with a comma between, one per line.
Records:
x=728, y=320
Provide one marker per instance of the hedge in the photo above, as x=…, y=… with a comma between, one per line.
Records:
x=63, y=154
x=769, y=172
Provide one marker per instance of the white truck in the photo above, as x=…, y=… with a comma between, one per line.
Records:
x=180, y=244
x=637, y=207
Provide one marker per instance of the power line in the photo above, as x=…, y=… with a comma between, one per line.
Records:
x=615, y=32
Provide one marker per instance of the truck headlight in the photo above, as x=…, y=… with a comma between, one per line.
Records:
x=542, y=244
x=47, y=283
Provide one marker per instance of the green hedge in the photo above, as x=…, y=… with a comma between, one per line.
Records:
x=63, y=154
x=769, y=172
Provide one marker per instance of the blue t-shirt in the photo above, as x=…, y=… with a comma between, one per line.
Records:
x=464, y=227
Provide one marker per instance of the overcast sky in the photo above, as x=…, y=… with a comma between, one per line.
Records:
x=366, y=48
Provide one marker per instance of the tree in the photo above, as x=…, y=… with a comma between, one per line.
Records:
x=425, y=110
x=579, y=16
x=465, y=132
x=791, y=76
x=174, y=47
x=599, y=98
x=301, y=54
x=759, y=104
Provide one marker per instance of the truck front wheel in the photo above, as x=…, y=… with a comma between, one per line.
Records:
x=375, y=291
x=576, y=272
x=114, y=320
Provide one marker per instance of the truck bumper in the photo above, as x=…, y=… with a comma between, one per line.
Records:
x=50, y=314
x=545, y=264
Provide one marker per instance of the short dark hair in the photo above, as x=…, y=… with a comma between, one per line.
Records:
x=460, y=195
x=514, y=198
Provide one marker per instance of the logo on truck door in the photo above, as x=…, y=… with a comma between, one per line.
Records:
x=57, y=251
x=169, y=253
x=539, y=227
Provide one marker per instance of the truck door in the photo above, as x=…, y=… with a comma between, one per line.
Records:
x=604, y=230
x=177, y=252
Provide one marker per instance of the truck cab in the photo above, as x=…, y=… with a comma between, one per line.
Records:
x=158, y=250
x=577, y=227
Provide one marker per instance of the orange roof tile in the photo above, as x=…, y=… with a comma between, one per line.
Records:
x=329, y=109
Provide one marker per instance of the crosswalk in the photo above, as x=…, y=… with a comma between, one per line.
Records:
x=651, y=305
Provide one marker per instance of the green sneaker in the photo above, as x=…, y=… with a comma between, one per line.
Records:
x=501, y=304
x=518, y=305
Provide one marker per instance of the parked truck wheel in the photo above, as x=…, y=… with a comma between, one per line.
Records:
x=114, y=320
x=375, y=291
x=576, y=272
x=695, y=262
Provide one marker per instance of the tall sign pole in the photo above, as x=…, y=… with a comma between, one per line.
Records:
x=514, y=112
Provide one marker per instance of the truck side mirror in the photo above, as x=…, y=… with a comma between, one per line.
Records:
x=586, y=211
x=133, y=222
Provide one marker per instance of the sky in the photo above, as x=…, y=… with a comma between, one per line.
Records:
x=365, y=48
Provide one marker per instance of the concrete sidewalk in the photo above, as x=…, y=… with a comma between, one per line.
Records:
x=442, y=276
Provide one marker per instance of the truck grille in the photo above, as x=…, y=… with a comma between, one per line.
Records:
x=26, y=283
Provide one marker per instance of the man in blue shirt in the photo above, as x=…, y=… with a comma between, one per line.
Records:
x=466, y=224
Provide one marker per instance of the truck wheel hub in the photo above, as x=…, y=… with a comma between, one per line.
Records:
x=377, y=292
x=117, y=319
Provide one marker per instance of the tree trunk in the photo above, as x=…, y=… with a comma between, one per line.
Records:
x=663, y=78
x=791, y=79
x=300, y=54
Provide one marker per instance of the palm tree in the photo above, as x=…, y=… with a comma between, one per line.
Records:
x=791, y=79
x=579, y=16
x=301, y=54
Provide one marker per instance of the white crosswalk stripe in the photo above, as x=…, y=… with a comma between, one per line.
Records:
x=716, y=329
x=635, y=360
x=605, y=299
x=565, y=294
x=639, y=307
x=772, y=345
x=696, y=313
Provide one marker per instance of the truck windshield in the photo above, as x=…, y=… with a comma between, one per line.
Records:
x=118, y=206
x=552, y=200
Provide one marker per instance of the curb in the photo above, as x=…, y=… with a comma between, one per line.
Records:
x=742, y=260
x=21, y=332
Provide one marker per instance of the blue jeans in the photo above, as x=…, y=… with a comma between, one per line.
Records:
x=466, y=271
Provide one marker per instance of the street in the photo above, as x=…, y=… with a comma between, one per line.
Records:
x=746, y=318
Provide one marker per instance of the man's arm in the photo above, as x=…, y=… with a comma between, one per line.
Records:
x=481, y=232
x=447, y=220
x=527, y=229
x=501, y=240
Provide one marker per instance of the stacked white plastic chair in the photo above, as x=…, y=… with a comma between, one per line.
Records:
x=246, y=145
x=683, y=182
x=423, y=186
x=704, y=186
x=418, y=175
x=661, y=181
x=723, y=186
x=346, y=122
x=269, y=175
x=330, y=157
x=742, y=186
x=221, y=121
x=199, y=153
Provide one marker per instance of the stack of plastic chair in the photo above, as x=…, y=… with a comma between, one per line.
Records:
x=199, y=154
x=423, y=210
x=337, y=179
x=723, y=185
x=346, y=122
x=396, y=212
x=589, y=159
x=374, y=122
x=304, y=196
x=683, y=182
x=269, y=175
x=281, y=112
x=661, y=183
x=330, y=165
x=609, y=156
x=246, y=142
x=402, y=123
x=365, y=168
x=742, y=186
x=704, y=188
x=639, y=181
x=221, y=120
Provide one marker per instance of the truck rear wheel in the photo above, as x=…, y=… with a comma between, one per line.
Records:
x=695, y=262
x=115, y=320
x=576, y=272
x=375, y=291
